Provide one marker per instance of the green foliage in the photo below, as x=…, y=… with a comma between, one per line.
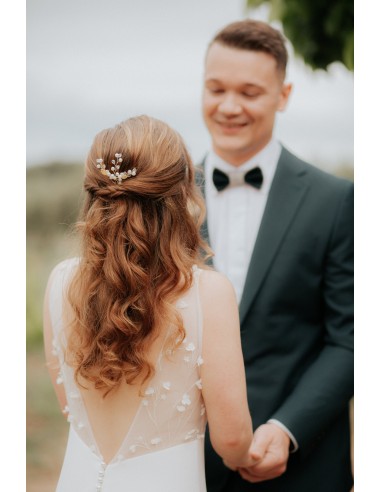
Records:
x=46, y=426
x=53, y=197
x=53, y=201
x=321, y=32
x=34, y=297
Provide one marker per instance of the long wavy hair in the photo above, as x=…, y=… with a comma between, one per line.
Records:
x=140, y=239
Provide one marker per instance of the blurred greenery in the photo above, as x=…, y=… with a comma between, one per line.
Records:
x=53, y=201
x=52, y=197
x=321, y=32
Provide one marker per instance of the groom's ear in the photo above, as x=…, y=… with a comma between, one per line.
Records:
x=284, y=96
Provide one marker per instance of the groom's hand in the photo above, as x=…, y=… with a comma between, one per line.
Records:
x=270, y=450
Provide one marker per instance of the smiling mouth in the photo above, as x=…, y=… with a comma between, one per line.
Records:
x=231, y=123
x=231, y=127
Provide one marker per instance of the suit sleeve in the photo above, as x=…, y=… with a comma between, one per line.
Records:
x=324, y=391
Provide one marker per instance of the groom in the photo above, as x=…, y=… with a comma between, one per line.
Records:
x=282, y=231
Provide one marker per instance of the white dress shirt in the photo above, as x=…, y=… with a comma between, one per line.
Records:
x=235, y=213
x=234, y=216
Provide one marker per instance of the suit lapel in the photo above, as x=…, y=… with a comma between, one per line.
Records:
x=285, y=196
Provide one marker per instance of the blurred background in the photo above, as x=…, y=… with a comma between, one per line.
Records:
x=91, y=64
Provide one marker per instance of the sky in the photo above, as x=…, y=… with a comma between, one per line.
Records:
x=93, y=63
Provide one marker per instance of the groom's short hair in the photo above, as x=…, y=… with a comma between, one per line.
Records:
x=253, y=35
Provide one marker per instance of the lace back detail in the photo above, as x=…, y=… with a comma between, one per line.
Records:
x=172, y=410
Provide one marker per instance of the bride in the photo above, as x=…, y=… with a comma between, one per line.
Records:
x=142, y=340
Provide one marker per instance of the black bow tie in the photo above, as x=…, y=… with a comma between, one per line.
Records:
x=254, y=177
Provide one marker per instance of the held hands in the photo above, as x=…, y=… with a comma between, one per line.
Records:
x=269, y=450
x=246, y=462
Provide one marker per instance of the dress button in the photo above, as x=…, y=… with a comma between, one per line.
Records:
x=101, y=474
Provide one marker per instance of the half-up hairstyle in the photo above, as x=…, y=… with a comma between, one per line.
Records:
x=140, y=239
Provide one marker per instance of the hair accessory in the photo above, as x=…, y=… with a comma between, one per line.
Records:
x=114, y=174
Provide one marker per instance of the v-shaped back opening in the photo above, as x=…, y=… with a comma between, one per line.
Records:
x=117, y=421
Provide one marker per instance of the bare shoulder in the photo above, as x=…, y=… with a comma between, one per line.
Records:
x=214, y=286
x=219, y=311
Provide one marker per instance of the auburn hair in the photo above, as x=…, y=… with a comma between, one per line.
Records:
x=140, y=240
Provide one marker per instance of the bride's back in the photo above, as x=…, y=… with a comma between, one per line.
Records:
x=165, y=414
x=134, y=419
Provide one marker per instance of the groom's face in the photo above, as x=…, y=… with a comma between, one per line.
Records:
x=243, y=90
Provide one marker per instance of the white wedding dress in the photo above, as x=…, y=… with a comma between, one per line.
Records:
x=163, y=450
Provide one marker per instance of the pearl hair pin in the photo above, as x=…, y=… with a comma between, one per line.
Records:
x=114, y=173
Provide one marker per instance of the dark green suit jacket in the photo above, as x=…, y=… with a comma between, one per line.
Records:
x=296, y=318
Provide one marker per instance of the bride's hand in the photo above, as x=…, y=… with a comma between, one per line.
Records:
x=270, y=449
x=247, y=462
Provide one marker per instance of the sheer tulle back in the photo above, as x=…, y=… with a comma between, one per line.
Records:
x=171, y=411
